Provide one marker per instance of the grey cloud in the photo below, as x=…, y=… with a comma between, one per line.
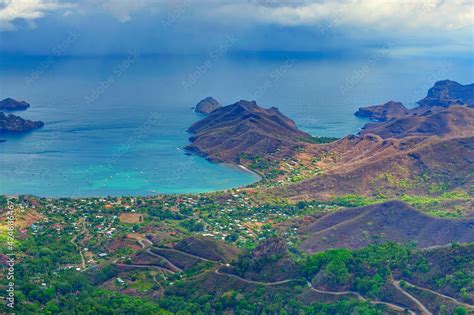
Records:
x=189, y=26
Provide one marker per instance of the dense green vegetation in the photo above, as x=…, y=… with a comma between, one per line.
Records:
x=319, y=140
x=365, y=271
x=44, y=287
x=50, y=278
x=452, y=204
x=370, y=270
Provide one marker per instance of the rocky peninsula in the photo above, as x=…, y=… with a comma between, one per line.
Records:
x=245, y=128
x=383, y=112
x=447, y=93
x=443, y=94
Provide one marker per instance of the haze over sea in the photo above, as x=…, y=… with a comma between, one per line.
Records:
x=117, y=125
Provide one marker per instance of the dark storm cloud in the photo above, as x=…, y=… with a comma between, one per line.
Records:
x=187, y=26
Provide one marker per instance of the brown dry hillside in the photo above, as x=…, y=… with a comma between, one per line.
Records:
x=244, y=127
x=383, y=112
x=455, y=121
x=269, y=261
x=446, y=93
x=418, y=154
x=390, y=221
x=437, y=163
x=208, y=248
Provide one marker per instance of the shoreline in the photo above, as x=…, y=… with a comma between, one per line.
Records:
x=244, y=169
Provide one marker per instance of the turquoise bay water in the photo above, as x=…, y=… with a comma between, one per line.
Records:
x=117, y=125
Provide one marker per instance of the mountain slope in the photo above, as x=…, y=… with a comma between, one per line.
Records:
x=390, y=221
x=383, y=112
x=446, y=93
x=207, y=248
x=413, y=154
x=455, y=121
x=244, y=127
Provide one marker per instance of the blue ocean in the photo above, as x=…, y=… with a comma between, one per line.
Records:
x=117, y=125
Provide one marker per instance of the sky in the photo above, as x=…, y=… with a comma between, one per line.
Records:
x=326, y=27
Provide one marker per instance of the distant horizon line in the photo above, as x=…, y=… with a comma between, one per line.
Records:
x=267, y=54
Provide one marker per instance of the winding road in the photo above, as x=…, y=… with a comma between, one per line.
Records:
x=173, y=266
x=143, y=245
x=420, y=305
x=254, y=282
x=389, y=305
x=469, y=306
x=144, y=267
x=338, y=293
x=73, y=242
x=186, y=254
x=392, y=306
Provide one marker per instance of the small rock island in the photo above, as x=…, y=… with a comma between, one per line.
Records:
x=207, y=106
x=11, y=104
x=13, y=123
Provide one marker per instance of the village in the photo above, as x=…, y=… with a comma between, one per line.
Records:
x=106, y=230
